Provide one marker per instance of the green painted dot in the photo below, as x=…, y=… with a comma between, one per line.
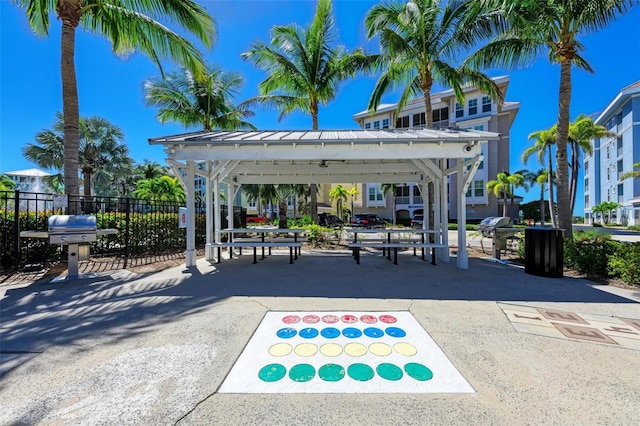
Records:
x=389, y=371
x=302, y=373
x=418, y=371
x=331, y=372
x=360, y=372
x=272, y=372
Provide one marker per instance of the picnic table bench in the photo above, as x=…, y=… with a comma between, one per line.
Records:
x=262, y=241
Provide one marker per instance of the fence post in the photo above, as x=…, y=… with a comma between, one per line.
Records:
x=126, y=228
x=16, y=229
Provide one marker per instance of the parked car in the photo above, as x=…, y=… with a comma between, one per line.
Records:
x=416, y=221
x=330, y=220
x=254, y=218
x=368, y=221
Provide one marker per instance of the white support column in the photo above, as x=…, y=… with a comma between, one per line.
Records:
x=425, y=204
x=230, y=192
x=209, y=211
x=437, y=219
x=190, y=254
x=216, y=210
x=463, y=260
x=444, y=208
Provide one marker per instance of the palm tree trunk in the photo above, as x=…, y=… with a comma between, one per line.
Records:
x=504, y=204
x=70, y=108
x=313, y=188
x=552, y=210
x=542, y=207
x=562, y=171
x=575, y=168
x=425, y=84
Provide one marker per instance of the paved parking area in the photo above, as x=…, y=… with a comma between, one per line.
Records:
x=155, y=349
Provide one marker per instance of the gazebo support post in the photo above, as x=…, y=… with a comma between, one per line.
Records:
x=463, y=259
x=444, y=205
x=209, y=211
x=190, y=254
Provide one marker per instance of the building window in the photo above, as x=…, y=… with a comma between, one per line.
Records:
x=608, y=149
x=620, y=189
x=252, y=203
x=385, y=123
x=586, y=201
x=291, y=201
x=478, y=188
x=419, y=119
x=459, y=110
x=367, y=126
x=608, y=173
x=375, y=194
x=473, y=106
x=468, y=194
x=586, y=167
x=586, y=184
x=376, y=125
x=440, y=117
x=608, y=194
x=486, y=104
x=402, y=122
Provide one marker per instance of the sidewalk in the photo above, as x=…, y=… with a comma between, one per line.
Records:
x=155, y=349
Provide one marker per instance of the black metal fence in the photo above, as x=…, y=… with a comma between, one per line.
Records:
x=144, y=228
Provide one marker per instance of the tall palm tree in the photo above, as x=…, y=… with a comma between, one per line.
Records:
x=581, y=131
x=543, y=147
x=205, y=100
x=129, y=26
x=554, y=26
x=305, y=70
x=501, y=188
x=634, y=174
x=283, y=193
x=420, y=42
x=339, y=194
x=100, y=150
x=516, y=181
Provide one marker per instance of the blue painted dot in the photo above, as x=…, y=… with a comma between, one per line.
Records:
x=373, y=332
x=395, y=332
x=351, y=332
x=308, y=333
x=286, y=333
x=330, y=332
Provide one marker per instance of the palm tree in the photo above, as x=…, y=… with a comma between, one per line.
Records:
x=283, y=193
x=545, y=140
x=151, y=169
x=419, y=40
x=634, y=174
x=339, y=194
x=539, y=178
x=100, y=150
x=205, y=100
x=6, y=184
x=534, y=27
x=164, y=188
x=501, y=187
x=581, y=131
x=128, y=26
x=516, y=181
x=390, y=187
x=304, y=70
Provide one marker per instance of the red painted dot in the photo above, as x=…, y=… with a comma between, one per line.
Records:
x=311, y=319
x=349, y=319
x=330, y=319
x=291, y=319
x=388, y=319
x=368, y=319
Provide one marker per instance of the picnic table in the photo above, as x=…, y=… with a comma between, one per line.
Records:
x=266, y=238
x=394, y=238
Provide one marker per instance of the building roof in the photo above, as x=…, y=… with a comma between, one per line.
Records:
x=624, y=94
x=29, y=172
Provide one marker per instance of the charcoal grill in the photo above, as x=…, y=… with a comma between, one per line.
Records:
x=499, y=229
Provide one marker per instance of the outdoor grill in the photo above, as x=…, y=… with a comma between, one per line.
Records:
x=72, y=229
x=499, y=229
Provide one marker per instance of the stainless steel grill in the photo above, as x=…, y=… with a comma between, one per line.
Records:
x=72, y=229
x=499, y=229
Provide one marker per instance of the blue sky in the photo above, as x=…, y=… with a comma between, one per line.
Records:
x=111, y=87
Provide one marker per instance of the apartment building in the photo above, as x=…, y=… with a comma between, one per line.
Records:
x=30, y=180
x=479, y=112
x=613, y=156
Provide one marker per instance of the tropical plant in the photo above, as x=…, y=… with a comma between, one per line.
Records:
x=129, y=26
x=164, y=188
x=6, y=184
x=150, y=169
x=581, y=131
x=192, y=100
x=304, y=69
x=528, y=28
x=419, y=41
x=501, y=188
x=339, y=194
x=386, y=188
x=634, y=174
x=598, y=210
x=283, y=193
x=608, y=207
x=545, y=140
x=101, y=152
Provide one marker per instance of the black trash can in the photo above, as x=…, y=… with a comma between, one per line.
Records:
x=544, y=251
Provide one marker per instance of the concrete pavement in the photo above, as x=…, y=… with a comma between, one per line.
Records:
x=127, y=349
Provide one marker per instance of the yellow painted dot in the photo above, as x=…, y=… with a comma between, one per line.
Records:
x=306, y=349
x=280, y=349
x=380, y=349
x=331, y=349
x=406, y=349
x=355, y=349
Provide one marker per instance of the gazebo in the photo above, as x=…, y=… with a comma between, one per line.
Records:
x=298, y=156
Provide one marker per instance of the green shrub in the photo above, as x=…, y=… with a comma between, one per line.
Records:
x=454, y=227
x=589, y=252
x=625, y=263
x=299, y=222
x=596, y=225
x=634, y=228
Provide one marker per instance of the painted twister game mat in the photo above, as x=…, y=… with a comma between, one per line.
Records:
x=609, y=330
x=343, y=352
